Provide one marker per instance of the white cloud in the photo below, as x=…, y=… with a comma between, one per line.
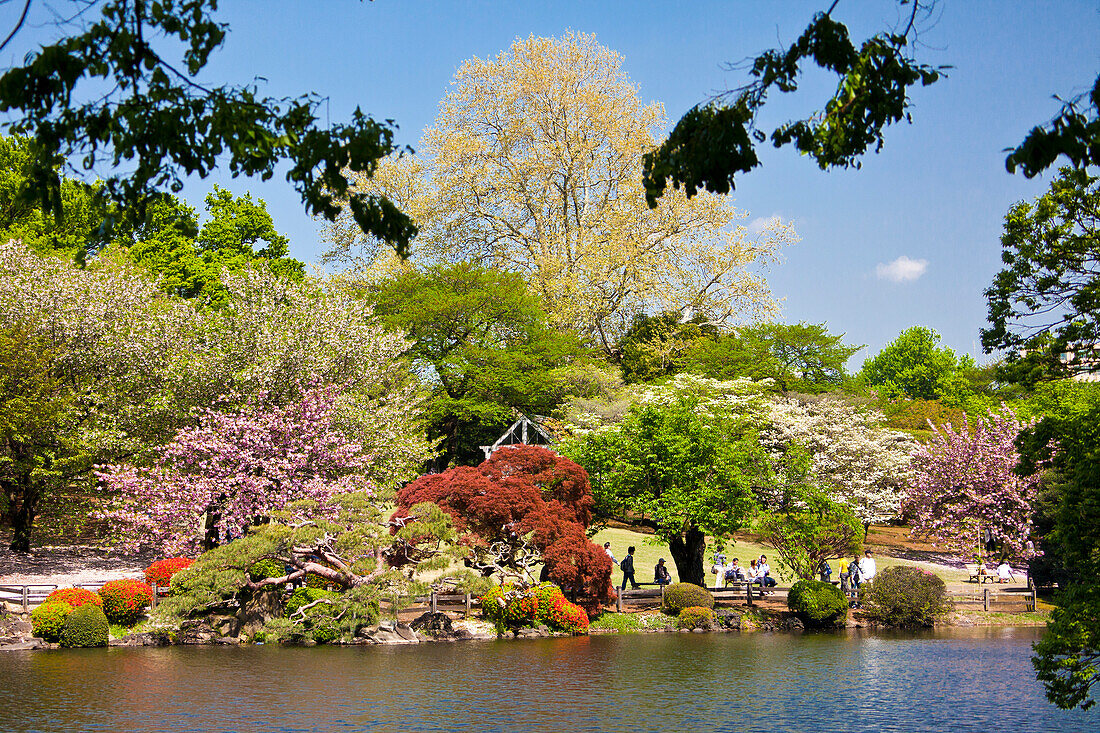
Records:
x=757, y=226
x=901, y=270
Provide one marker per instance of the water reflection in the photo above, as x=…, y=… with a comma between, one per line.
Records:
x=960, y=680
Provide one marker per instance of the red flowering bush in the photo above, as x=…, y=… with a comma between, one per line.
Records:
x=161, y=572
x=75, y=597
x=125, y=601
x=523, y=494
x=543, y=604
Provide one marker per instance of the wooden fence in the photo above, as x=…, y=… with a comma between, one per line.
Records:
x=29, y=596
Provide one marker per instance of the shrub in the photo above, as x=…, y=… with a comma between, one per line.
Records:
x=304, y=596
x=695, y=617
x=75, y=597
x=624, y=623
x=904, y=596
x=161, y=572
x=48, y=619
x=679, y=596
x=508, y=607
x=266, y=568
x=125, y=601
x=817, y=603
x=85, y=626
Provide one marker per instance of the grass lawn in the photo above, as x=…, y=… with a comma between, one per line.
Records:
x=649, y=549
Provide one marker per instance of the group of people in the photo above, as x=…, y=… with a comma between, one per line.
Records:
x=758, y=572
x=853, y=573
x=660, y=571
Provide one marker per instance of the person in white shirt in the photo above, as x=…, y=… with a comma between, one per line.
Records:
x=719, y=568
x=1004, y=572
x=867, y=567
x=764, y=572
x=607, y=549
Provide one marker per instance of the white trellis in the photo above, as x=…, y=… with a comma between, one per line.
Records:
x=524, y=431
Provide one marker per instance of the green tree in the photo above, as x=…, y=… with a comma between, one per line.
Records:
x=657, y=346
x=37, y=449
x=104, y=94
x=716, y=140
x=809, y=527
x=914, y=366
x=483, y=341
x=1045, y=305
x=682, y=463
x=799, y=357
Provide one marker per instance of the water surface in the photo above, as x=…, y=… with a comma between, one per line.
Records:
x=953, y=680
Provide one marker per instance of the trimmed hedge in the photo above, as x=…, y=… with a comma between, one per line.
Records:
x=679, y=596
x=695, y=617
x=48, y=619
x=543, y=604
x=817, y=603
x=904, y=596
x=75, y=597
x=125, y=601
x=86, y=626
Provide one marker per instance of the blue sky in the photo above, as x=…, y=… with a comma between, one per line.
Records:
x=935, y=196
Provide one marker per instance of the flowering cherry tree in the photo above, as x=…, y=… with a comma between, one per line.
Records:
x=866, y=465
x=965, y=483
x=235, y=468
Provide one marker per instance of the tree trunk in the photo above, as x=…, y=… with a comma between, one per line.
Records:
x=687, y=552
x=22, y=507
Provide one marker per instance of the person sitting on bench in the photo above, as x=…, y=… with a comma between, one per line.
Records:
x=660, y=573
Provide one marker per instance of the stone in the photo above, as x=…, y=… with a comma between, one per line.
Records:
x=406, y=633
x=196, y=631
x=388, y=633
x=698, y=631
x=433, y=624
x=33, y=643
x=256, y=610
x=144, y=638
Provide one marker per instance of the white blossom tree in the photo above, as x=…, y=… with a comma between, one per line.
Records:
x=866, y=465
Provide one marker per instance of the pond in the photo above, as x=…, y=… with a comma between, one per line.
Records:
x=951, y=680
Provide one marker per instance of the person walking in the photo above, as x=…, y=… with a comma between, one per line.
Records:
x=844, y=575
x=867, y=568
x=607, y=549
x=660, y=574
x=627, y=566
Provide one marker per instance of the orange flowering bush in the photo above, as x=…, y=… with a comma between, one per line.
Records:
x=161, y=571
x=125, y=601
x=75, y=597
x=543, y=604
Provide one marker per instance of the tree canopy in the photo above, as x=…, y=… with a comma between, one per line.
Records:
x=913, y=365
x=107, y=101
x=534, y=166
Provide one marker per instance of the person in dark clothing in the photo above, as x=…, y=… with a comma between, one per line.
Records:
x=660, y=573
x=627, y=566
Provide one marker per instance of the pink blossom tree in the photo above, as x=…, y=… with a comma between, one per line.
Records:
x=965, y=484
x=234, y=469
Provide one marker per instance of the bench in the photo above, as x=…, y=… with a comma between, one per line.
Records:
x=978, y=574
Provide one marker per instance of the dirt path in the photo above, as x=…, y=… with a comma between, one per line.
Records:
x=65, y=566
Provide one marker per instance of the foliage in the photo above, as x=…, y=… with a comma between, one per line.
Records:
x=799, y=357
x=75, y=597
x=1067, y=658
x=37, y=447
x=1074, y=133
x=138, y=365
x=904, y=596
x=125, y=601
x=511, y=607
x=858, y=461
x=86, y=626
x=522, y=507
x=913, y=366
x=966, y=483
x=484, y=342
x=623, y=623
x=160, y=572
x=809, y=527
x=685, y=461
x=303, y=596
x=534, y=165
x=266, y=568
x=817, y=603
x=695, y=617
x=159, y=124
x=679, y=596
x=48, y=619
x=1046, y=301
x=715, y=141
x=237, y=467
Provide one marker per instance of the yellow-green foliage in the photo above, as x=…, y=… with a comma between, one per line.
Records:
x=86, y=626
x=48, y=619
x=817, y=603
x=679, y=596
x=695, y=617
